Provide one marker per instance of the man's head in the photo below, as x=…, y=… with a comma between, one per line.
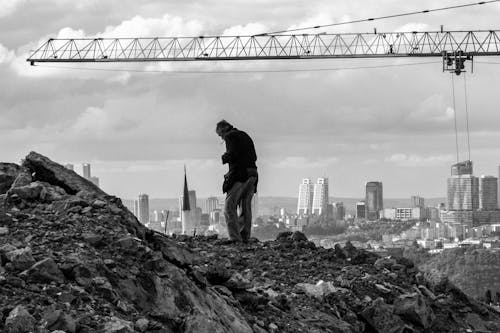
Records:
x=222, y=128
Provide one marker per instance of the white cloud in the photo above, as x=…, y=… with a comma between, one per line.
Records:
x=298, y=162
x=8, y=7
x=245, y=30
x=6, y=55
x=414, y=160
x=432, y=109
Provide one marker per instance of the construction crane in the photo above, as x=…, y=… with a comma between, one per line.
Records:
x=454, y=47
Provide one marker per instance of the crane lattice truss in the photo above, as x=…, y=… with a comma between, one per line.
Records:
x=262, y=47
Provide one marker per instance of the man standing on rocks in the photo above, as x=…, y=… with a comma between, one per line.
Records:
x=240, y=182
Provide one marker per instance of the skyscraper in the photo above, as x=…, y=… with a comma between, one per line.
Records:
x=143, y=208
x=462, y=168
x=320, y=197
x=86, y=170
x=360, y=210
x=211, y=204
x=488, y=193
x=306, y=193
x=498, y=187
x=374, y=200
x=417, y=201
x=463, y=187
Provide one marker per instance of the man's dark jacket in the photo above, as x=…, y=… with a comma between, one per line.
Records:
x=241, y=157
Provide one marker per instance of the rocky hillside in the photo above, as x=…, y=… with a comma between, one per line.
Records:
x=474, y=271
x=74, y=259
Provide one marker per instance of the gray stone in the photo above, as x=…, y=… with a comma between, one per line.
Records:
x=45, y=270
x=19, y=321
x=8, y=174
x=56, y=174
x=99, y=204
x=58, y=320
x=21, y=259
x=415, y=309
x=319, y=290
x=141, y=324
x=384, y=263
x=4, y=231
x=238, y=282
x=117, y=325
x=380, y=316
x=23, y=178
x=7, y=248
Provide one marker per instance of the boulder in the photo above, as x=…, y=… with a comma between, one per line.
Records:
x=117, y=325
x=58, y=320
x=384, y=263
x=318, y=290
x=8, y=174
x=21, y=258
x=23, y=178
x=298, y=236
x=217, y=274
x=19, y=321
x=238, y=282
x=141, y=324
x=380, y=316
x=415, y=309
x=45, y=270
x=48, y=171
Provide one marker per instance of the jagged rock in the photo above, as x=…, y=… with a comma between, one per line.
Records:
x=117, y=325
x=298, y=236
x=19, y=321
x=23, y=178
x=384, y=263
x=56, y=174
x=319, y=290
x=45, y=270
x=58, y=320
x=21, y=258
x=217, y=274
x=37, y=190
x=415, y=309
x=284, y=235
x=8, y=174
x=238, y=282
x=381, y=317
x=141, y=324
x=4, y=231
x=339, y=252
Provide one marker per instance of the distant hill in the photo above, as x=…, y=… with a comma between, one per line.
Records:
x=272, y=205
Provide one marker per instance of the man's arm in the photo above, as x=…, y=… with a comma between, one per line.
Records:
x=231, y=154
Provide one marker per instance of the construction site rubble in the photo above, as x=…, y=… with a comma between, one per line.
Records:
x=74, y=259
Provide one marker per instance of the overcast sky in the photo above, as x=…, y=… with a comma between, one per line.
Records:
x=137, y=130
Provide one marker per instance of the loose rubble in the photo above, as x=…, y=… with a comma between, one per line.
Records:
x=74, y=259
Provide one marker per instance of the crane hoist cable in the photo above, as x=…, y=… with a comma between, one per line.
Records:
x=381, y=17
x=466, y=102
x=467, y=114
x=455, y=114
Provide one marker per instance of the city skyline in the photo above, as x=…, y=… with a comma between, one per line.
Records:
x=142, y=127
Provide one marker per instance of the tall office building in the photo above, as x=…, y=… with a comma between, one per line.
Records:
x=488, y=193
x=360, y=210
x=211, y=204
x=462, y=187
x=320, y=197
x=338, y=211
x=143, y=208
x=306, y=194
x=462, y=168
x=417, y=202
x=374, y=200
x=498, y=186
x=86, y=171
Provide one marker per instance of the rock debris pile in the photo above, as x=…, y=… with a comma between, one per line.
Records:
x=74, y=259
